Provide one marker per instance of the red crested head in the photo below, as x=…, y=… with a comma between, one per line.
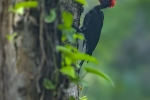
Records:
x=108, y=3
x=112, y=3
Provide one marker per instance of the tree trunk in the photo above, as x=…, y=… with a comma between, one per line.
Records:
x=76, y=9
x=30, y=57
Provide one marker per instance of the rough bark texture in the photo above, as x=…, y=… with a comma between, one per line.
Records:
x=31, y=56
x=76, y=9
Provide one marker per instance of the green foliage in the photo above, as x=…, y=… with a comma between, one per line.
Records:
x=96, y=72
x=19, y=7
x=78, y=36
x=67, y=35
x=69, y=71
x=26, y=4
x=82, y=2
x=19, y=11
x=83, y=98
x=11, y=37
x=70, y=54
x=86, y=57
x=68, y=61
x=66, y=27
x=51, y=17
x=76, y=55
x=67, y=19
x=71, y=98
x=48, y=84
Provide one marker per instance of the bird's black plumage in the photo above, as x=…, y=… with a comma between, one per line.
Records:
x=92, y=26
x=93, y=29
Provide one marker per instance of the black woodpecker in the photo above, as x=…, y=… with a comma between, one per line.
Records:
x=92, y=26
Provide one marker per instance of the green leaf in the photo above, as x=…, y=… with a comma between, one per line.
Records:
x=76, y=80
x=11, y=37
x=77, y=55
x=48, y=84
x=71, y=98
x=68, y=33
x=78, y=36
x=61, y=27
x=19, y=7
x=83, y=98
x=63, y=38
x=68, y=61
x=67, y=52
x=94, y=71
x=26, y=4
x=18, y=11
x=82, y=2
x=51, y=18
x=74, y=49
x=67, y=19
x=82, y=56
x=69, y=71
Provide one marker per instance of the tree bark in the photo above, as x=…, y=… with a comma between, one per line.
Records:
x=31, y=56
x=76, y=9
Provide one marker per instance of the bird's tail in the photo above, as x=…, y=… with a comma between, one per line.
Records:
x=84, y=49
x=80, y=64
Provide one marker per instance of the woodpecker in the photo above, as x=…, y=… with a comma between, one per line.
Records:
x=92, y=26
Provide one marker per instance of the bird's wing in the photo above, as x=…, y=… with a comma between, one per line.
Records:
x=86, y=21
x=93, y=31
x=93, y=23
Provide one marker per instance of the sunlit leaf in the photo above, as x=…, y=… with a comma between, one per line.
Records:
x=77, y=55
x=67, y=19
x=11, y=37
x=72, y=98
x=18, y=11
x=67, y=52
x=78, y=36
x=51, y=18
x=94, y=71
x=83, y=98
x=69, y=71
x=19, y=7
x=64, y=50
x=82, y=2
x=26, y=4
x=82, y=56
x=68, y=61
x=74, y=49
x=48, y=84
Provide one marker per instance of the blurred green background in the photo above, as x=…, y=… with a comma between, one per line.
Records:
x=123, y=52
